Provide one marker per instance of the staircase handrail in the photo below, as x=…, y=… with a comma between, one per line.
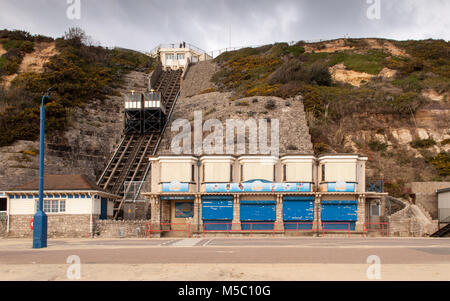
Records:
x=157, y=144
x=110, y=161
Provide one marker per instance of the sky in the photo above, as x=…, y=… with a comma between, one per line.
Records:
x=217, y=24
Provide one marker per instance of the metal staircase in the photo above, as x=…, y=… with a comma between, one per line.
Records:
x=442, y=232
x=130, y=161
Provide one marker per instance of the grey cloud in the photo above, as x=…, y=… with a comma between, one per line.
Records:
x=206, y=23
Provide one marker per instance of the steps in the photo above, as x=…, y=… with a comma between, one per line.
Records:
x=442, y=232
x=130, y=161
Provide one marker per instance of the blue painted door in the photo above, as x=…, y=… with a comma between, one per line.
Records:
x=339, y=214
x=103, y=208
x=217, y=212
x=261, y=214
x=298, y=211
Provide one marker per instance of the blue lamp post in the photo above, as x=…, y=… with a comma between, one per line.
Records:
x=40, y=218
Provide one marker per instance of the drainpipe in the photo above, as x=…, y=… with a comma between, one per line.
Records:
x=8, y=204
x=91, y=222
x=198, y=191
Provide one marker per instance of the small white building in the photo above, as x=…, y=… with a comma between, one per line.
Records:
x=72, y=203
x=178, y=56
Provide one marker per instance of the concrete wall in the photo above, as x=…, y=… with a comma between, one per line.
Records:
x=425, y=193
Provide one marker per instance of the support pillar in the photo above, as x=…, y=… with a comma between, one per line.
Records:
x=236, y=213
x=155, y=220
x=361, y=215
x=198, y=221
x=317, y=213
x=279, y=225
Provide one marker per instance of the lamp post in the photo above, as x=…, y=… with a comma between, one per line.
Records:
x=40, y=218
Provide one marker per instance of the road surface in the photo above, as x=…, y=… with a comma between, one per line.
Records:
x=229, y=259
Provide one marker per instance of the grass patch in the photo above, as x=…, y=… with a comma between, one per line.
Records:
x=371, y=63
x=445, y=141
x=422, y=143
x=442, y=163
x=205, y=91
x=377, y=146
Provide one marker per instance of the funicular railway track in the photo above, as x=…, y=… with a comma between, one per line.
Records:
x=130, y=161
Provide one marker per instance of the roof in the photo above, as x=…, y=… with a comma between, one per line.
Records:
x=60, y=183
x=443, y=190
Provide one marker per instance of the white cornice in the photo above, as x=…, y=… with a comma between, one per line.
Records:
x=298, y=159
x=217, y=159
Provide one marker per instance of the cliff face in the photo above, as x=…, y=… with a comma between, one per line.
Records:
x=199, y=93
x=388, y=100
x=84, y=115
x=94, y=132
x=385, y=99
x=289, y=113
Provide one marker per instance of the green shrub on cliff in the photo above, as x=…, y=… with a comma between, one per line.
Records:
x=79, y=73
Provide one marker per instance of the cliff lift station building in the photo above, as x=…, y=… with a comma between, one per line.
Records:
x=262, y=193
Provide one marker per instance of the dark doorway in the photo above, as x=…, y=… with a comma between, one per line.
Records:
x=3, y=206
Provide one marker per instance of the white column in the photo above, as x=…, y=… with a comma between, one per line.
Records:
x=317, y=212
x=279, y=225
x=236, y=213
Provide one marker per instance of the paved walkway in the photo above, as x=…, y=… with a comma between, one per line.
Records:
x=229, y=259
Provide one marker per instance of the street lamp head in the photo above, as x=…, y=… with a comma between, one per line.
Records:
x=50, y=90
x=46, y=97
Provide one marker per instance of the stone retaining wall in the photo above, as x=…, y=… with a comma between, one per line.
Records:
x=120, y=229
x=425, y=193
x=60, y=225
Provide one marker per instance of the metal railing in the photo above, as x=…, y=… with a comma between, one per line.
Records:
x=147, y=169
x=383, y=228
x=216, y=53
x=276, y=228
x=133, y=190
x=149, y=230
x=375, y=186
x=3, y=215
x=176, y=46
x=155, y=75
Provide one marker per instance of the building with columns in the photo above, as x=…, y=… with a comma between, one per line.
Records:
x=240, y=194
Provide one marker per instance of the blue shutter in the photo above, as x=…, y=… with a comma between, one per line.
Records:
x=259, y=215
x=345, y=212
x=217, y=211
x=298, y=209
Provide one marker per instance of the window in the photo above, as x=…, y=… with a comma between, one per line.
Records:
x=231, y=172
x=53, y=206
x=374, y=210
x=47, y=206
x=323, y=172
x=180, y=56
x=242, y=172
x=193, y=173
x=284, y=172
x=62, y=206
